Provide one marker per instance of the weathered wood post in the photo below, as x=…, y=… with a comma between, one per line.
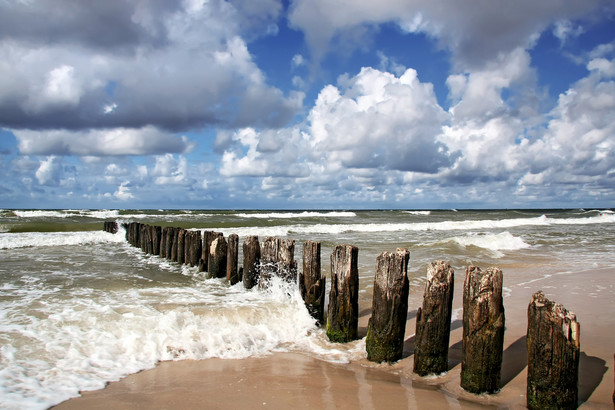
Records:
x=163, y=242
x=553, y=347
x=181, y=240
x=110, y=226
x=277, y=258
x=343, y=312
x=433, y=321
x=171, y=242
x=143, y=237
x=483, y=330
x=194, y=251
x=311, y=283
x=208, y=238
x=287, y=266
x=156, y=237
x=251, y=261
x=386, y=327
x=270, y=250
x=216, y=263
x=232, y=259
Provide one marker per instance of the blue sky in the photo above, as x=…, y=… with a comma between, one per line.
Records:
x=307, y=104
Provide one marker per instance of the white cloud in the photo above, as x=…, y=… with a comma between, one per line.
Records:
x=123, y=192
x=564, y=29
x=297, y=61
x=603, y=66
x=49, y=171
x=170, y=170
x=379, y=121
x=474, y=34
x=116, y=141
x=171, y=65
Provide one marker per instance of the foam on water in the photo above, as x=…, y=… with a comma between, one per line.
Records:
x=305, y=214
x=450, y=225
x=503, y=241
x=88, y=337
x=32, y=239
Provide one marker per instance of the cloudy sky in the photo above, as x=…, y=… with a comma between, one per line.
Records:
x=307, y=104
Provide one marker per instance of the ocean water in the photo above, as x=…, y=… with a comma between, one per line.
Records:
x=80, y=307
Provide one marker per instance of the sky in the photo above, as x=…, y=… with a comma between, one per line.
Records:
x=307, y=104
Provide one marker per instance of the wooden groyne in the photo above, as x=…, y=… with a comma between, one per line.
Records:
x=553, y=334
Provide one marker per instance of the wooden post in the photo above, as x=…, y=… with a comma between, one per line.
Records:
x=232, y=259
x=181, y=252
x=433, y=321
x=553, y=347
x=216, y=263
x=386, y=327
x=110, y=226
x=343, y=312
x=156, y=237
x=483, y=330
x=311, y=283
x=195, y=250
x=170, y=242
x=208, y=238
x=251, y=261
x=287, y=266
x=277, y=258
x=163, y=242
x=270, y=250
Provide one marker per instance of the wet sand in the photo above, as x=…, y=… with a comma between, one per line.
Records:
x=298, y=381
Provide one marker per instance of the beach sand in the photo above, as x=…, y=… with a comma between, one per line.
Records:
x=298, y=381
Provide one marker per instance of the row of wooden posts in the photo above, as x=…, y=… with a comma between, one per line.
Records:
x=552, y=335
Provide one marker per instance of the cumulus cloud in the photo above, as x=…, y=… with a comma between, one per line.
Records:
x=379, y=120
x=123, y=192
x=116, y=141
x=473, y=33
x=171, y=65
x=49, y=171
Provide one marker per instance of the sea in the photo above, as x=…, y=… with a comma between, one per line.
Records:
x=80, y=307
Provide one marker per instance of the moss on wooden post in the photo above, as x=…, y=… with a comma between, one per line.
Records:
x=343, y=312
x=386, y=327
x=433, y=321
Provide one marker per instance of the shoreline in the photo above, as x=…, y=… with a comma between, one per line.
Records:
x=298, y=380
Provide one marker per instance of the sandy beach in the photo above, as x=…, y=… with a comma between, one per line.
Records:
x=295, y=380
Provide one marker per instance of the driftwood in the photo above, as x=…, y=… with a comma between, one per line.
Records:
x=216, y=264
x=386, y=327
x=251, y=261
x=232, y=262
x=433, y=321
x=483, y=330
x=343, y=312
x=553, y=345
x=311, y=283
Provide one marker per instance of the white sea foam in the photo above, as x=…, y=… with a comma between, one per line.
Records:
x=464, y=225
x=292, y=215
x=503, y=241
x=87, y=339
x=32, y=239
x=425, y=213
